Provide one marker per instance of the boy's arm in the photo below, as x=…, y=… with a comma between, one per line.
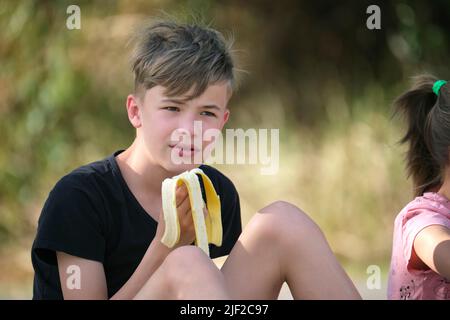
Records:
x=81, y=278
x=155, y=255
x=432, y=246
x=90, y=275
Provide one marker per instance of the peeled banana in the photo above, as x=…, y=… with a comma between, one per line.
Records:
x=207, y=230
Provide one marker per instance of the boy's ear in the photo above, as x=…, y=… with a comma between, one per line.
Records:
x=226, y=116
x=133, y=111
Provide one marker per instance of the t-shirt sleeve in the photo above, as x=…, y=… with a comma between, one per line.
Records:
x=414, y=222
x=70, y=222
x=231, y=222
x=231, y=212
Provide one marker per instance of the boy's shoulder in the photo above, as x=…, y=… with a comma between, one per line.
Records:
x=101, y=173
x=86, y=175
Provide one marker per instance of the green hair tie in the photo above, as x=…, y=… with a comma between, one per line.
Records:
x=437, y=86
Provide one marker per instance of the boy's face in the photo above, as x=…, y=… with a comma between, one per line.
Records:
x=165, y=125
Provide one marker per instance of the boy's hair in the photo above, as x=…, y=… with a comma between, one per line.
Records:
x=428, y=131
x=180, y=57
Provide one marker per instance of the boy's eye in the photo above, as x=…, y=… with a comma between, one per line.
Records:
x=207, y=113
x=175, y=109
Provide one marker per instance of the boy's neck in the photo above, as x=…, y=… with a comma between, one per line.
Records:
x=139, y=172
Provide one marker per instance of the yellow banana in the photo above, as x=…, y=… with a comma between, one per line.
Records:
x=207, y=230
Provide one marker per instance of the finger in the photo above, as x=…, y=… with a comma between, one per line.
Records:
x=161, y=217
x=181, y=194
x=205, y=211
x=186, y=221
x=184, y=207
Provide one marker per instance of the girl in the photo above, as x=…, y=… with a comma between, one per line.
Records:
x=420, y=264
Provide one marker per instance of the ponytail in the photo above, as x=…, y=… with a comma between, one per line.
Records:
x=428, y=131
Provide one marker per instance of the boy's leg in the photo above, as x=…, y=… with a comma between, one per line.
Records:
x=186, y=273
x=281, y=243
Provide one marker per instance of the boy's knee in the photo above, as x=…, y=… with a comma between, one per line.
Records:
x=285, y=212
x=189, y=264
x=185, y=258
x=281, y=206
x=282, y=219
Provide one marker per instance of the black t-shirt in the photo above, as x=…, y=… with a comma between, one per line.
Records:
x=91, y=213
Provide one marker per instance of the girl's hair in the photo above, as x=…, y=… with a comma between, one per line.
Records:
x=428, y=131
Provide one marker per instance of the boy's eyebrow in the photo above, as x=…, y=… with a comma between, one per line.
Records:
x=211, y=106
x=177, y=101
x=172, y=101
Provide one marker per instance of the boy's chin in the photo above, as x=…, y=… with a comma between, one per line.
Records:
x=180, y=168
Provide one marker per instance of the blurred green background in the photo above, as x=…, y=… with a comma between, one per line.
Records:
x=314, y=71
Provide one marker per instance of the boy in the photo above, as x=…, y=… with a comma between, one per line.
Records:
x=103, y=222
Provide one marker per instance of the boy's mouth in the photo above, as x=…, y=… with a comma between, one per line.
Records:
x=185, y=150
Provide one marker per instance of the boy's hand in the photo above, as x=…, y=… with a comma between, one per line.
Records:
x=187, y=229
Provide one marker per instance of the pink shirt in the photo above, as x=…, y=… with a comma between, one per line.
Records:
x=406, y=283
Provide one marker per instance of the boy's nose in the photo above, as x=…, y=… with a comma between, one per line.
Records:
x=187, y=124
x=190, y=129
x=187, y=127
